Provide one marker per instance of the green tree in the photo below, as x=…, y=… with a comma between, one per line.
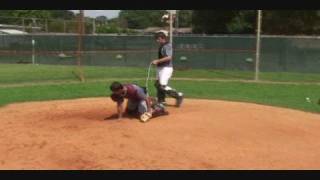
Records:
x=291, y=22
x=212, y=21
x=100, y=20
x=31, y=13
x=184, y=18
x=140, y=19
x=62, y=14
x=277, y=22
x=244, y=22
x=16, y=15
x=111, y=28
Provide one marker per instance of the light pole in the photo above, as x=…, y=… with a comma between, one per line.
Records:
x=33, y=50
x=171, y=14
x=33, y=42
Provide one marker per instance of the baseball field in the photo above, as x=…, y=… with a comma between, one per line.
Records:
x=51, y=120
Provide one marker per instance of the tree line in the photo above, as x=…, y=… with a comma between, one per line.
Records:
x=277, y=22
x=288, y=22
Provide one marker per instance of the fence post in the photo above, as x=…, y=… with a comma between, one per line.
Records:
x=93, y=26
x=257, y=61
x=23, y=26
x=46, y=25
x=64, y=26
x=80, y=44
x=177, y=22
x=33, y=50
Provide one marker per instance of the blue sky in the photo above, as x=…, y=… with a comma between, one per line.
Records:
x=94, y=13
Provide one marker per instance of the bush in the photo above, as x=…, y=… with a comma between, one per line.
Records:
x=108, y=29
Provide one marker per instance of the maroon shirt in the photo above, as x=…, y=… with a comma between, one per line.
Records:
x=134, y=93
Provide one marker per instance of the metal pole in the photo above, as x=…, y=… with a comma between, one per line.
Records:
x=94, y=26
x=80, y=34
x=33, y=25
x=79, y=52
x=46, y=25
x=33, y=42
x=171, y=23
x=256, y=77
x=171, y=13
x=23, y=25
x=33, y=50
x=177, y=22
x=64, y=26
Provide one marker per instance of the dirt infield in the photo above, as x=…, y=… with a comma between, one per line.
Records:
x=202, y=134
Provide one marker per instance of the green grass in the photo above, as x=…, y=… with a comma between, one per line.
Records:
x=23, y=83
x=290, y=96
x=290, y=77
x=51, y=92
x=17, y=73
x=11, y=74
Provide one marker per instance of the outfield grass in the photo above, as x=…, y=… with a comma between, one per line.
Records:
x=290, y=96
x=40, y=87
x=13, y=73
x=16, y=73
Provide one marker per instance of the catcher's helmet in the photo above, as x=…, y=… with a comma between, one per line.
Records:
x=163, y=32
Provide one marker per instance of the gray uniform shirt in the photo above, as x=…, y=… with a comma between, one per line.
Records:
x=164, y=51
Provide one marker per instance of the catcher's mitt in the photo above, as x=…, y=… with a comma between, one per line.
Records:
x=145, y=117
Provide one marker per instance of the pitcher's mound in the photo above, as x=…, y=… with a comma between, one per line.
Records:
x=202, y=134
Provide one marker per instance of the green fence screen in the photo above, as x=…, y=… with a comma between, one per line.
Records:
x=222, y=52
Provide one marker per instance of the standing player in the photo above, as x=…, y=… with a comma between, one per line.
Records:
x=165, y=69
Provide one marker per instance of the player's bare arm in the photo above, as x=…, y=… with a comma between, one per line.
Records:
x=148, y=102
x=165, y=59
x=120, y=110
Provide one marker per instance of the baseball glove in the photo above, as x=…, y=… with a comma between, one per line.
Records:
x=145, y=117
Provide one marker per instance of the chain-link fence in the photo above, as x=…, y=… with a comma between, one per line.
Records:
x=223, y=52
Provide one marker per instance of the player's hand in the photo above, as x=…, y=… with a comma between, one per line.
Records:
x=150, y=111
x=155, y=62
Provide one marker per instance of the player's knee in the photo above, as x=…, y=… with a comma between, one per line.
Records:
x=142, y=108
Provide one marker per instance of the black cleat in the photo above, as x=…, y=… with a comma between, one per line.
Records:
x=160, y=113
x=163, y=103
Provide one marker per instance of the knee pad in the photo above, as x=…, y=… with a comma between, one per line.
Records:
x=171, y=92
x=159, y=86
x=167, y=88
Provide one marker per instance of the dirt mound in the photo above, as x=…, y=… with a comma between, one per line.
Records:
x=202, y=134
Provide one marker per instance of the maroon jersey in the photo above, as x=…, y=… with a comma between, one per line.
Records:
x=134, y=93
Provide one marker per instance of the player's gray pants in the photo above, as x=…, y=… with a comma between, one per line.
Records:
x=134, y=106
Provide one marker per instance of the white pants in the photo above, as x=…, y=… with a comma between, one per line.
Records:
x=164, y=74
